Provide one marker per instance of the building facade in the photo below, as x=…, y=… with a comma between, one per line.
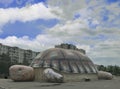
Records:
x=18, y=55
x=70, y=46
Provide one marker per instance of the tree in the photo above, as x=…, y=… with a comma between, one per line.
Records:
x=102, y=67
x=115, y=70
x=5, y=63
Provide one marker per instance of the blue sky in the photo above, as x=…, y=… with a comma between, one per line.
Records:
x=40, y=24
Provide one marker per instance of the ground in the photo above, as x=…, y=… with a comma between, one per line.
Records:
x=98, y=84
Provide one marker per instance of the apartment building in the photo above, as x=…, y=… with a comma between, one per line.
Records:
x=70, y=46
x=18, y=55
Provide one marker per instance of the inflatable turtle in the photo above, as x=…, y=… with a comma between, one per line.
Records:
x=58, y=60
x=64, y=60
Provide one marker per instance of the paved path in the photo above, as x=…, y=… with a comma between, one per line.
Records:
x=100, y=84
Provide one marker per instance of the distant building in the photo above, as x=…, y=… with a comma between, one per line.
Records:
x=70, y=46
x=17, y=55
x=66, y=46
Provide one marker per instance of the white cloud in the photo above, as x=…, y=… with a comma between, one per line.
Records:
x=69, y=7
x=100, y=50
x=30, y=13
x=40, y=43
x=104, y=49
x=101, y=9
x=106, y=52
x=84, y=46
x=27, y=13
x=70, y=28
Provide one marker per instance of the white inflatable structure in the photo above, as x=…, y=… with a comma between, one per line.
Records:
x=52, y=76
x=21, y=73
x=104, y=75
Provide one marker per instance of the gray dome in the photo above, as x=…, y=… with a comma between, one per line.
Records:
x=64, y=60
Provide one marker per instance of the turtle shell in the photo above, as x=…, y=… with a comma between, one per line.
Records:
x=64, y=60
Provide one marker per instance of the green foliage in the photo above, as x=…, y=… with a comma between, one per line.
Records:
x=5, y=63
x=115, y=70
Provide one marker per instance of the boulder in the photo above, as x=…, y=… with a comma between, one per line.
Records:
x=104, y=75
x=52, y=76
x=21, y=73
